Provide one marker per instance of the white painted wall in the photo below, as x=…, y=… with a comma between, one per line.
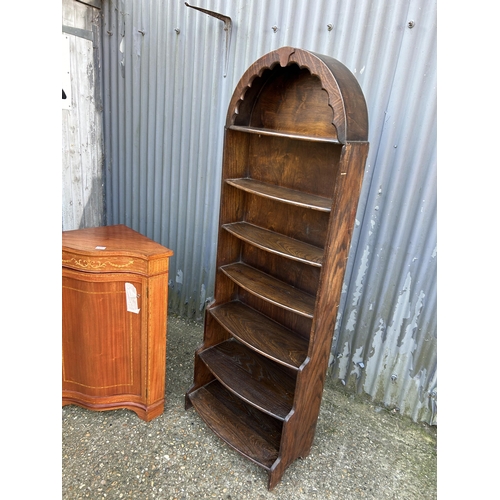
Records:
x=82, y=138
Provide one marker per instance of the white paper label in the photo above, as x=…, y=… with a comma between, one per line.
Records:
x=131, y=294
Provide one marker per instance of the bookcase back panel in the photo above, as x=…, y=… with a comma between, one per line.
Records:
x=290, y=100
x=292, y=321
x=294, y=101
x=299, y=275
x=296, y=222
x=296, y=164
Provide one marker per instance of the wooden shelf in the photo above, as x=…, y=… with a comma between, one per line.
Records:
x=282, y=194
x=270, y=289
x=252, y=433
x=295, y=122
x=276, y=243
x=262, y=334
x=284, y=134
x=251, y=377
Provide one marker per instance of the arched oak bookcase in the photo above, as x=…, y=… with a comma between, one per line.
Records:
x=295, y=147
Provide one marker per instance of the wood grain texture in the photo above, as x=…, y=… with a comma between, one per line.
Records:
x=284, y=195
x=271, y=289
x=284, y=134
x=214, y=334
x=262, y=334
x=114, y=357
x=113, y=249
x=157, y=299
x=299, y=165
x=252, y=433
x=281, y=104
x=253, y=378
x=299, y=223
x=295, y=273
x=92, y=307
x=294, y=155
x=273, y=242
x=345, y=97
x=301, y=426
x=301, y=325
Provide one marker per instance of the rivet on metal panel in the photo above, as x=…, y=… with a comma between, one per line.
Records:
x=177, y=30
x=329, y=26
x=275, y=28
x=142, y=32
x=394, y=377
x=109, y=33
x=411, y=24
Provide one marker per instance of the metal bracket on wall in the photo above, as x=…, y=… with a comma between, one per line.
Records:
x=227, y=28
x=93, y=3
x=81, y=33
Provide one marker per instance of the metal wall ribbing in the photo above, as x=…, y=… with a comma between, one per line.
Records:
x=165, y=100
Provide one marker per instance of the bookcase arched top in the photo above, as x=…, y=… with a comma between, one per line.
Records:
x=295, y=91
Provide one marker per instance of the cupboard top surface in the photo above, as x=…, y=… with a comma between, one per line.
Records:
x=113, y=240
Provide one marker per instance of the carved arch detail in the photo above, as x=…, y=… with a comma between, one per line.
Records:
x=345, y=98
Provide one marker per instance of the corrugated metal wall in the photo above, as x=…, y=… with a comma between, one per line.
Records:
x=165, y=102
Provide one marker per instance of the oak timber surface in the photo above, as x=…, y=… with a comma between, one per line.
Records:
x=285, y=195
x=262, y=334
x=283, y=133
x=271, y=241
x=251, y=432
x=253, y=378
x=270, y=289
x=291, y=179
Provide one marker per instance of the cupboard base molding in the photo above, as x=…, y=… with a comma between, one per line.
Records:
x=146, y=413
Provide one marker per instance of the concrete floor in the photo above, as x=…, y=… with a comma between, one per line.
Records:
x=360, y=450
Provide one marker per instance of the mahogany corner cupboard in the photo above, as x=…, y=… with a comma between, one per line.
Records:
x=114, y=324
x=295, y=147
